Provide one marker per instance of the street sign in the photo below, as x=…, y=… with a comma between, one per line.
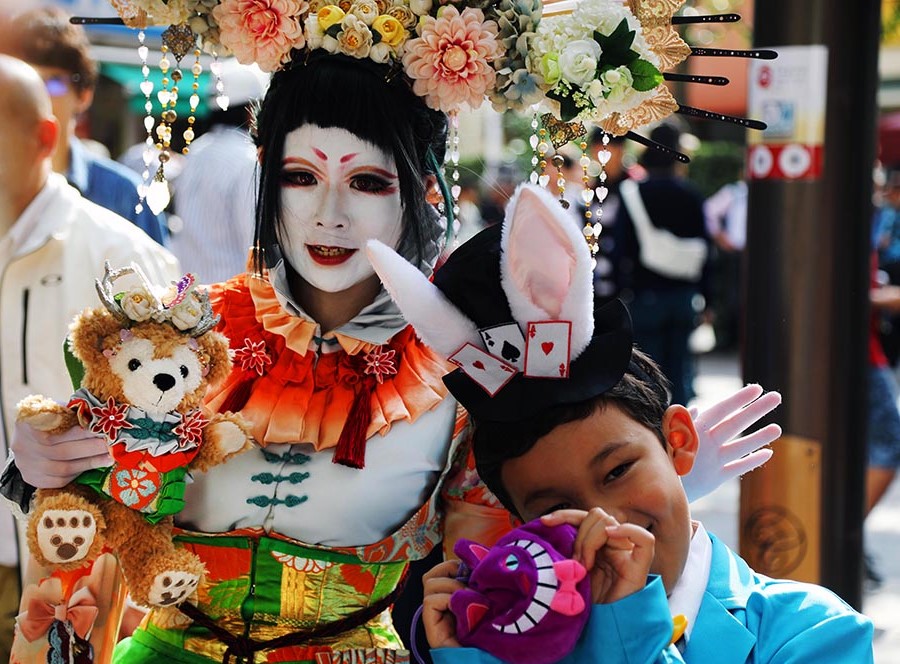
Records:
x=789, y=95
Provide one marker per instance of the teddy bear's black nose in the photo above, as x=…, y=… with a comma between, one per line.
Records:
x=164, y=381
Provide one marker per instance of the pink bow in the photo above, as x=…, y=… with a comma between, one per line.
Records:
x=567, y=600
x=81, y=611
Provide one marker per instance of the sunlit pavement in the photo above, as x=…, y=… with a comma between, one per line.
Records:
x=719, y=375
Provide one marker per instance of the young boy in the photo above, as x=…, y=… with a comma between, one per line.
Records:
x=573, y=425
x=610, y=465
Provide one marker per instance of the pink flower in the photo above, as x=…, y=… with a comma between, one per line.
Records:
x=450, y=63
x=261, y=31
x=380, y=363
x=253, y=356
x=110, y=418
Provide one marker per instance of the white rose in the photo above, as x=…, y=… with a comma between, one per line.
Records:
x=578, y=61
x=355, y=38
x=420, y=7
x=137, y=305
x=365, y=10
x=380, y=52
x=187, y=314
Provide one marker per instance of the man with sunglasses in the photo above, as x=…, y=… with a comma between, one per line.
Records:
x=59, y=51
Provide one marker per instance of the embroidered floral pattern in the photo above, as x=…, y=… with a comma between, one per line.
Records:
x=308, y=565
x=190, y=429
x=380, y=363
x=110, y=419
x=253, y=356
x=134, y=487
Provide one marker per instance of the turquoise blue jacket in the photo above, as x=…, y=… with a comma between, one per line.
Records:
x=745, y=618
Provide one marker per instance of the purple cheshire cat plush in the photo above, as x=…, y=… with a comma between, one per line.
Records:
x=526, y=600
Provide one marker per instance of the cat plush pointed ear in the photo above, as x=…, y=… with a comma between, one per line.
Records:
x=514, y=309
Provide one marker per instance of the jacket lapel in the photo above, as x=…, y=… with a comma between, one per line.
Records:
x=719, y=619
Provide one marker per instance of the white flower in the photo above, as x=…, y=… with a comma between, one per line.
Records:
x=365, y=10
x=578, y=61
x=330, y=44
x=595, y=90
x=420, y=7
x=138, y=305
x=618, y=82
x=381, y=52
x=314, y=33
x=187, y=314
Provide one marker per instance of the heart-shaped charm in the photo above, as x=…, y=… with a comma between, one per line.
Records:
x=602, y=193
x=164, y=97
x=146, y=87
x=603, y=156
x=543, y=180
x=222, y=102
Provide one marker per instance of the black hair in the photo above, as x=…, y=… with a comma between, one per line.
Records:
x=333, y=90
x=642, y=393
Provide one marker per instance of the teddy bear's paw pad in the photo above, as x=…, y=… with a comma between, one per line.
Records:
x=172, y=588
x=232, y=438
x=66, y=536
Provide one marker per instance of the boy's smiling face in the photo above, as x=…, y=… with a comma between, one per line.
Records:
x=610, y=461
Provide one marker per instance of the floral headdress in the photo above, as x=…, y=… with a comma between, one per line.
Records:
x=597, y=61
x=182, y=305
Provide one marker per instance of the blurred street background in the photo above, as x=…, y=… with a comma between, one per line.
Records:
x=719, y=374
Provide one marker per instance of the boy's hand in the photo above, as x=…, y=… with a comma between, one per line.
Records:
x=438, y=584
x=617, y=556
x=721, y=455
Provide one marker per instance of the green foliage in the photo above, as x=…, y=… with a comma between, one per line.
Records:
x=617, y=46
x=646, y=76
x=715, y=164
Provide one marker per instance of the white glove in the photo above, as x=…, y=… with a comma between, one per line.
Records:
x=721, y=456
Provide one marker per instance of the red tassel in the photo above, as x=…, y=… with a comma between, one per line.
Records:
x=238, y=397
x=351, y=446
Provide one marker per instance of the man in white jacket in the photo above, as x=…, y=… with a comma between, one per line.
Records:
x=53, y=244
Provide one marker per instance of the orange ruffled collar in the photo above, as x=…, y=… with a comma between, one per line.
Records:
x=291, y=394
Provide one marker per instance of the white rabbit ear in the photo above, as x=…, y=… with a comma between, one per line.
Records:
x=546, y=265
x=438, y=323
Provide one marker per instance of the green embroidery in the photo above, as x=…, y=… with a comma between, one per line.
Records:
x=145, y=428
x=295, y=458
x=289, y=501
x=269, y=478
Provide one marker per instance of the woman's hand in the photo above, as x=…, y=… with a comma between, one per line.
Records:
x=721, y=456
x=617, y=556
x=439, y=583
x=49, y=461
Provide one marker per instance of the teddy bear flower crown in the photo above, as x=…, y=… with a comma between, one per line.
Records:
x=183, y=306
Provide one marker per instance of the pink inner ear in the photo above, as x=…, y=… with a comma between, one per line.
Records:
x=478, y=551
x=541, y=260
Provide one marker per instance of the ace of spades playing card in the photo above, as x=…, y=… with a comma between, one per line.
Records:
x=488, y=371
x=547, y=349
x=506, y=342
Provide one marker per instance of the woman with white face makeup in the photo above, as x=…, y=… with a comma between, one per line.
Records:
x=362, y=463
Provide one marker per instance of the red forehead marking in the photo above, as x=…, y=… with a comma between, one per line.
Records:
x=348, y=157
x=321, y=155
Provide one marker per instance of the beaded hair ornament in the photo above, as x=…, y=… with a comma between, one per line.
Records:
x=567, y=62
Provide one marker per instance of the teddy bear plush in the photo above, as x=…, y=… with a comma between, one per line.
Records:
x=147, y=363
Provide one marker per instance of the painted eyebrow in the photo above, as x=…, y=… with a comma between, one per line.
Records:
x=596, y=461
x=374, y=169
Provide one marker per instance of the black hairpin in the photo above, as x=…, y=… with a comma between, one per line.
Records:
x=709, y=115
x=650, y=143
x=756, y=53
x=95, y=20
x=694, y=78
x=709, y=18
